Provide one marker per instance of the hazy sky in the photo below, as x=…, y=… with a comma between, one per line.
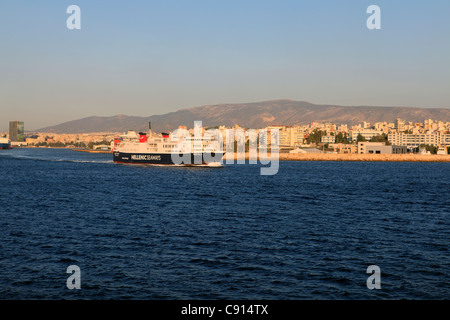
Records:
x=152, y=57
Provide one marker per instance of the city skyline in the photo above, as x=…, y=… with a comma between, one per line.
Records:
x=398, y=137
x=146, y=58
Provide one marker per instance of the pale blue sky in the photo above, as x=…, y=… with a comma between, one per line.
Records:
x=151, y=57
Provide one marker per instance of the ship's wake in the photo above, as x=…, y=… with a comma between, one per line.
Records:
x=23, y=157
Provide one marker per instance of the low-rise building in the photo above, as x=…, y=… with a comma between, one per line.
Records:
x=101, y=147
x=344, y=148
x=442, y=150
x=19, y=143
x=380, y=148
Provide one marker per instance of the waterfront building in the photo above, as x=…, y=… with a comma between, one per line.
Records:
x=380, y=148
x=16, y=131
x=103, y=147
x=416, y=140
x=442, y=150
x=290, y=136
x=344, y=148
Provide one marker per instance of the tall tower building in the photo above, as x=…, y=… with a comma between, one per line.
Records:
x=16, y=131
x=399, y=124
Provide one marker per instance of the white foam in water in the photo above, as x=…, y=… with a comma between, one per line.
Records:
x=85, y=161
x=17, y=155
x=215, y=164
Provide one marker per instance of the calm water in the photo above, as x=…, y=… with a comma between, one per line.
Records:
x=138, y=232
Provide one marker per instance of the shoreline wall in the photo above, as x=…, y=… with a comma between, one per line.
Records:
x=358, y=157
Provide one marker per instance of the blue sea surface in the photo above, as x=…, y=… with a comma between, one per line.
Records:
x=149, y=232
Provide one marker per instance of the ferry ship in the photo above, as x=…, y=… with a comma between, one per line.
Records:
x=5, y=143
x=162, y=149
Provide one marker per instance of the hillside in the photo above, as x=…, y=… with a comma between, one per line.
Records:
x=251, y=115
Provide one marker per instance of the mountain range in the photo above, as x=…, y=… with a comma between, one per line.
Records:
x=251, y=115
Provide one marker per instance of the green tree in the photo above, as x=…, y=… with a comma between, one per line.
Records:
x=341, y=137
x=316, y=136
x=79, y=145
x=360, y=138
x=345, y=138
x=380, y=138
x=56, y=145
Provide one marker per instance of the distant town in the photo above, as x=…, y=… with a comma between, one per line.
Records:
x=398, y=137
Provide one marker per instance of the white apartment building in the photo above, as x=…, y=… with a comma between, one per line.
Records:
x=366, y=133
x=415, y=140
x=342, y=128
x=328, y=139
x=290, y=136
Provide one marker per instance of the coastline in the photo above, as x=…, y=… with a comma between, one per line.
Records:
x=357, y=157
x=322, y=156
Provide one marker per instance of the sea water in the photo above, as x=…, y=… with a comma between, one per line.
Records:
x=150, y=232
